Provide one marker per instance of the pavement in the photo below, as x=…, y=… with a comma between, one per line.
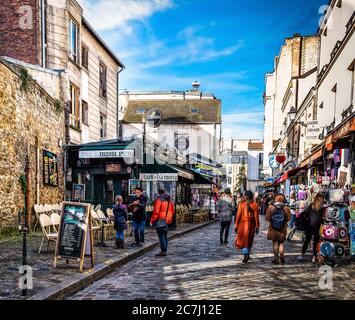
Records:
x=49, y=282
x=198, y=267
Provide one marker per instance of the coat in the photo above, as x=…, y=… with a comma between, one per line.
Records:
x=226, y=208
x=246, y=223
x=139, y=211
x=120, y=213
x=273, y=234
x=162, y=211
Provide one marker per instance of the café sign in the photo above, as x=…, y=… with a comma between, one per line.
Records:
x=168, y=177
x=104, y=154
x=153, y=177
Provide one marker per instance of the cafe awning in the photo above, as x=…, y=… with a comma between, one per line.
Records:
x=159, y=169
x=106, y=151
x=182, y=172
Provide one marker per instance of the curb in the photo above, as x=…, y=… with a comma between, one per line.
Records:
x=80, y=281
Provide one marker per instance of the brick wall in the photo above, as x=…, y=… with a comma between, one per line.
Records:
x=28, y=121
x=16, y=41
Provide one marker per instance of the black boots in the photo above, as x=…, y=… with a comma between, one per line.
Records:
x=246, y=258
x=119, y=244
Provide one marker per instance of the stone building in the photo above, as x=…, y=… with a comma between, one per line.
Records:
x=31, y=123
x=54, y=34
x=287, y=87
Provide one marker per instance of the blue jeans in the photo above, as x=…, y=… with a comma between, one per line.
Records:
x=138, y=228
x=292, y=220
x=246, y=250
x=163, y=238
x=120, y=235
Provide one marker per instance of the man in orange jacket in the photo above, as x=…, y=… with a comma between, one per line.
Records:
x=162, y=216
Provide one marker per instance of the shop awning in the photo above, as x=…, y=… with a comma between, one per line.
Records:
x=316, y=155
x=340, y=132
x=105, y=151
x=289, y=174
x=182, y=172
x=161, y=170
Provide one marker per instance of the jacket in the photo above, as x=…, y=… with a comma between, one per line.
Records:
x=139, y=211
x=120, y=213
x=162, y=211
x=246, y=223
x=312, y=220
x=273, y=234
x=226, y=208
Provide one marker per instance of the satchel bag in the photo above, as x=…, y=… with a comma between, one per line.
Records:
x=161, y=225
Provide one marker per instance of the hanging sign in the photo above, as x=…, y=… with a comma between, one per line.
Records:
x=273, y=162
x=74, y=229
x=280, y=158
x=50, y=169
x=154, y=118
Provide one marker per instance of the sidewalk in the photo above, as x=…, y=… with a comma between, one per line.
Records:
x=46, y=279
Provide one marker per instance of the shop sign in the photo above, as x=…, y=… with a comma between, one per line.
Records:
x=344, y=130
x=148, y=177
x=103, y=154
x=273, y=162
x=78, y=192
x=154, y=118
x=313, y=130
x=132, y=185
x=168, y=177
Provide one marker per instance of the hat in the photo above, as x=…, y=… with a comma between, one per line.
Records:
x=249, y=194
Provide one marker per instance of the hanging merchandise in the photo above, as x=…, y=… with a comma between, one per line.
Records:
x=337, y=156
x=352, y=237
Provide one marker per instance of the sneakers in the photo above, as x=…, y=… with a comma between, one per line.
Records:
x=161, y=254
x=275, y=262
x=300, y=258
x=246, y=258
x=314, y=260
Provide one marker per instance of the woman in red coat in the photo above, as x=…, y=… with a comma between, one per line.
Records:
x=164, y=211
x=247, y=224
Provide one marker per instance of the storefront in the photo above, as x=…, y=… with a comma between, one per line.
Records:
x=98, y=172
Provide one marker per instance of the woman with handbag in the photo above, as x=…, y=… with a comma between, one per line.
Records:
x=162, y=216
x=120, y=212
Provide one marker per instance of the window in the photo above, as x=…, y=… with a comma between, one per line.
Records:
x=182, y=141
x=74, y=107
x=73, y=40
x=103, y=126
x=85, y=57
x=85, y=112
x=103, y=81
x=352, y=69
x=195, y=110
x=315, y=110
x=140, y=111
x=261, y=158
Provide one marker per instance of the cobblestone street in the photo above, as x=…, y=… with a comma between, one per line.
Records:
x=199, y=268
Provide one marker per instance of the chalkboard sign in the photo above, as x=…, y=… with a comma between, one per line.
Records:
x=50, y=169
x=75, y=223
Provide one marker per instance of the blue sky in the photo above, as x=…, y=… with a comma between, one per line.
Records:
x=227, y=45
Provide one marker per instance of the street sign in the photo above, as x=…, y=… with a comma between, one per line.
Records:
x=154, y=118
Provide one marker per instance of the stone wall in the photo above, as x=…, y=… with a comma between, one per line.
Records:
x=30, y=121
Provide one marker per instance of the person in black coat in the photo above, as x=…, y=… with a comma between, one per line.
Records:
x=138, y=209
x=120, y=212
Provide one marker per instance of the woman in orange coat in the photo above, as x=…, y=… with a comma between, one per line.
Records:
x=163, y=211
x=247, y=224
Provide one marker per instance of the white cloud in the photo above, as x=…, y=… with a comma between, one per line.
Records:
x=110, y=14
x=243, y=125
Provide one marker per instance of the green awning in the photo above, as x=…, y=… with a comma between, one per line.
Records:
x=106, y=152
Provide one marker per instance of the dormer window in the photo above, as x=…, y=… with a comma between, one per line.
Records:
x=140, y=111
x=195, y=110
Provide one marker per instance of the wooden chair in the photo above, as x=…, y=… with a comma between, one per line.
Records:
x=108, y=224
x=38, y=211
x=96, y=224
x=48, y=233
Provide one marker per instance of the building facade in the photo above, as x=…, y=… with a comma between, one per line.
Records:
x=54, y=35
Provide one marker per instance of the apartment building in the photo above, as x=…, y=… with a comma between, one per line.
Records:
x=64, y=53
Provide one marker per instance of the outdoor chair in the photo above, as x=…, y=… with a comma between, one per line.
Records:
x=96, y=224
x=39, y=209
x=47, y=231
x=55, y=218
x=108, y=224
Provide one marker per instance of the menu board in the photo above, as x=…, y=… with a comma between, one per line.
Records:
x=50, y=169
x=78, y=192
x=74, y=226
x=133, y=183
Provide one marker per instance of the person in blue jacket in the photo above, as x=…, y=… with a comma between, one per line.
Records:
x=120, y=212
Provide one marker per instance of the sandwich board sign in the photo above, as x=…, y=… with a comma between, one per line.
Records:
x=75, y=230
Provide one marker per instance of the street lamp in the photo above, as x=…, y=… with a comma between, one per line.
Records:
x=292, y=117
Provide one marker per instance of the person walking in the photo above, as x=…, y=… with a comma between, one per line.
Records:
x=293, y=209
x=161, y=218
x=138, y=209
x=278, y=215
x=120, y=212
x=226, y=210
x=312, y=218
x=247, y=224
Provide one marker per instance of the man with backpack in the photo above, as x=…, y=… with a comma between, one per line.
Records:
x=278, y=215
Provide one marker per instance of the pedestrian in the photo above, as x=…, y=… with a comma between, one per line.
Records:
x=161, y=218
x=120, y=212
x=138, y=209
x=278, y=215
x=312, y=218
x=226, y=210
x=247, y=224
x=293, y=209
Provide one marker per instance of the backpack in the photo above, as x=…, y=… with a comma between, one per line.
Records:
x=278, y=218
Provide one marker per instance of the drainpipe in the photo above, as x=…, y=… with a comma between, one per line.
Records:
x=44, y=32
x=119, y=124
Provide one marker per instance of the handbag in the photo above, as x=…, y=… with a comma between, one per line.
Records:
x=161, y=225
